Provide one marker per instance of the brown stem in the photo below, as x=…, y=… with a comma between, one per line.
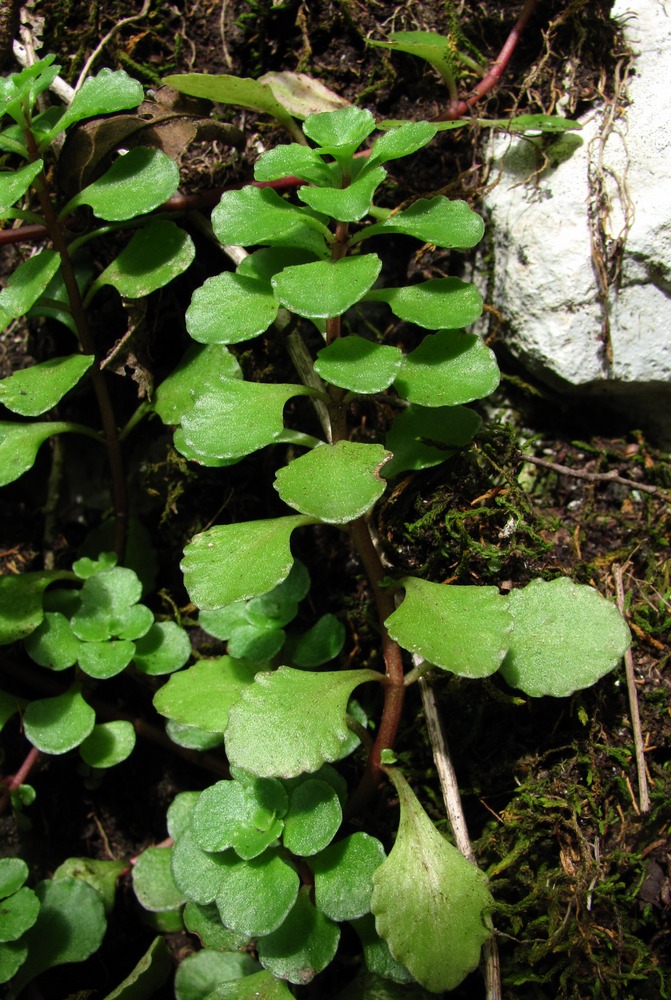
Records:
x=55, y=231
x=456, y=109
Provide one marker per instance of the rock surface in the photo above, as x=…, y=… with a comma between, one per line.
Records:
x=580, y=253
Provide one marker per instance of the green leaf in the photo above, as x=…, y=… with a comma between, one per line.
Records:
x=197, y=873
x=326, y=288
x=232, y=562
x=292, y=721
x=445, y=223
x=103, y=94
x=264, y=263
x=20, y=443
x=462, y=629
x=35, y=390
x=21, y=600
x=565, y=638
x=254, y=897
x=401, y=141
x=429, y=901
x=105, y=659
x=344, y=876
x=340, y=132
x=136, y=183
x=246, y=819
x=256, y=216
x=191, y=737
x=260, y=986
x=243, y=92
x=438, y=304
x=313, y=819
x=109, y=744
x=203, y=694
x=379, y=962
x=446, y=369
x=25, y=285
x=200, y=366
x=156, y=254
x=148, y=976
x=348, y=204
x=359, y=365
x=107, y=599
x=15, y=183
x=205, y=922
x=335, y=483
x=164, y=649
x=296, y=161
x=233, y=418
x=13, y=873
x=230, y=308
x=53, y=644
x=445, y=427
x=319, y=644
x=538, y=123
x=19, y=913
x=438, y=50
x=19, y=91
x=69, y=928
x=302, y=946
x=102, y=876
x=56, y=725
x=201, y=973
x=256, y=643
x=9, y=706
x=12, y=956
x=153, y=881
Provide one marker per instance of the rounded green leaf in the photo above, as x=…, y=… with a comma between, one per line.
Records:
x=230, y=308
x=56, y=725
x=202, y=695
x=135, y=623
x=446, y=369
x=445, y=223
x=232, y=562
x=359, y=365
x=254, y=897
x=109, y=744
x=191, y=737
x=15, y=183
x=12, y=956
x=438, y=304
x=136, y=183
x=292, y=160
x=223, y=622
x=19, y=444
x=201, y=366
x=346, y=127
x=19, y=912
x=53, y=644
x=197, y=873
x=219, y=811
x=429, y=901
x=313, y=819
x=255, y=216
x=156, y=254
x=21, y=599
x=335, y=483
x=566, y=636
x=105, y=659
x=401, y=141
x=421, y=437
x=302, y=946
x=348, y=204
x=255, y=643
x=379, y=961
x=344, y=876
x=26, y=283
x=69, y=928
x=319, y=644
x=148, y=976
x=153, y=881
x=326, y=288
x=106, y=600
x=13, y=874
x=103, y=94
x=233, y=418
x=291, y=721
x=205, y=922
x=102, y=876
x=35, y=390
x=247, y=819
x=260, y=986
x=162, y=650
x=202, y=972
x=440, y=622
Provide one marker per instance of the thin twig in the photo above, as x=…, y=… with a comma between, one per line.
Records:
x=455, y=814
x=643, y=796
x=106, y=38
x=596, y=477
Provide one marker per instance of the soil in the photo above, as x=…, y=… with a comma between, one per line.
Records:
x=582, y=878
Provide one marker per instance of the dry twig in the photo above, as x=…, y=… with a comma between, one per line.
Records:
x=643, y=797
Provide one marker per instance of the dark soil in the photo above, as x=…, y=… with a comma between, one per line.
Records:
x=582, y=879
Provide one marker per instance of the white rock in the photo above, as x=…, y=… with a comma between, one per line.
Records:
x=545, y=240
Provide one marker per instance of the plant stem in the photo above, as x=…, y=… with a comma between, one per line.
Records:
x=118, y=480
x=643, y=794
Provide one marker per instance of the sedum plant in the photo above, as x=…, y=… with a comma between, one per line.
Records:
x=266, y=866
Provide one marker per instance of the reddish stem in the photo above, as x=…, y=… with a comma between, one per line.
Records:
x=15, y=781
x=457, y=109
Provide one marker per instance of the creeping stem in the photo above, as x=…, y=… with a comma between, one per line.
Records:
x=119, y=495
